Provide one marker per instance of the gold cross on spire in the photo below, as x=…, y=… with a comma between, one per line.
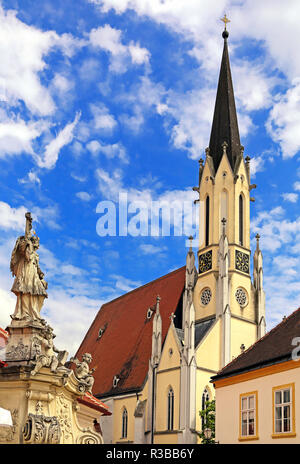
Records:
x=225, y=21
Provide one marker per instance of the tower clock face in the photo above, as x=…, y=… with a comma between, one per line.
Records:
x=205, y=262
x=242, y=261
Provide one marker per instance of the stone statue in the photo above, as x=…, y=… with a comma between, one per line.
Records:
x=83, y=372
x=29, y=285
x=47, y=356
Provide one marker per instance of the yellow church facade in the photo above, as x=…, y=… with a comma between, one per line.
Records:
x=160, y=344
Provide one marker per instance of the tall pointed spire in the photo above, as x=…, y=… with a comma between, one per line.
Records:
x=225, y=124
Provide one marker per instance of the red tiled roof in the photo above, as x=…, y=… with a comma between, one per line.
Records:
x=4, y=333
x=124, y=349
x=274, y=346
x=94, y=403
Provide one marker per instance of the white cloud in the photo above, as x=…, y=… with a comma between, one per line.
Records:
x=124, y=284
x=284, y=120
x=84, y=196
x=50, y=156
x=109, y=39
x=291, y=197
x=22, y=51
x=149, y=249
x=102, y=117
x=17, y=136
x=256, y=165
x=31, y=178
x=115, y=150
x=297, y=186
x=139, y=55
x=12, y=218
x=62, y=83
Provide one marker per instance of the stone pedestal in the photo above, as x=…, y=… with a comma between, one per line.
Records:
x=24, y=342
x=43, y=407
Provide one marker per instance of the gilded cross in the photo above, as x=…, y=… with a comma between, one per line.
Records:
x=225, y=21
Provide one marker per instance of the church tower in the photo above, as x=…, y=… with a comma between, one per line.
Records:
x=224, y=288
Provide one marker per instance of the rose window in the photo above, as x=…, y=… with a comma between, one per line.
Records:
x=206, y=296
x=241, y=297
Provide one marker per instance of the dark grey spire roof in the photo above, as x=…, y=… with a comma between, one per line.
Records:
x=225, y=124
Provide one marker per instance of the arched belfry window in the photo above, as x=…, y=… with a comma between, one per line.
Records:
x=205, y=398
x=241, y=220
x=207, y=214
x=223, y=210
x=124, y=423
x=170, y=409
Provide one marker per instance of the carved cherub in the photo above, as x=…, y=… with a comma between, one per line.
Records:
x=48, y=357
x=83, y=372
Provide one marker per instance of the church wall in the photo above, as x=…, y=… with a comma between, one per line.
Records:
x=206, y=281
x=170, y=356
x=107, y=423
x=238, y=280
x=202, y=383
x=166, y=379
x=166, y=438
x=129, y=403
x=208, y=352
x=242, y=332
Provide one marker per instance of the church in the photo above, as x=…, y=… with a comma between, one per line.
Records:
x=159, y=345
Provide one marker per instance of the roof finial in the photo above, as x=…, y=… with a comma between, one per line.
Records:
x=225, y=21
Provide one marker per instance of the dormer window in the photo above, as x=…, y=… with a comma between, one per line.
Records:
x=115, y=381
x=101, y=331
x=149, y=313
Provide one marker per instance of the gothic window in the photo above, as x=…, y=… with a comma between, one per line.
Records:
x=241, y=220
x=170, y=409
x=223, y=209
x=207, y=221
x=124, y=423
x=205, y=398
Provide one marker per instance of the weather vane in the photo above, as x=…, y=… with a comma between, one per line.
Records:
x=225, y=21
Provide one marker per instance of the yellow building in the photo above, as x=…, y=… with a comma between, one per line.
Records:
x=160, y=344
x=257, y=394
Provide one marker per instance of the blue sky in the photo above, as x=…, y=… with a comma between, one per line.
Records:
x=103, y=96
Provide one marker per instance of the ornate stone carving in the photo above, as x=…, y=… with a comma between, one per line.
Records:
x=45, y=354
x=18, y=352
x=8, y=432
x=89, y=438
x=40, y=429
x=64, y=415
x=83, y=373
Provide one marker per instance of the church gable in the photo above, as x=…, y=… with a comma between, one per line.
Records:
x=121, y=354
x=170, y=357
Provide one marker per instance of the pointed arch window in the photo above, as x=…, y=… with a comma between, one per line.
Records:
x=207, y=214
x=241, y=220
x=205, y=398
x=170, y=409
x=124, y=423
x=223, y=209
